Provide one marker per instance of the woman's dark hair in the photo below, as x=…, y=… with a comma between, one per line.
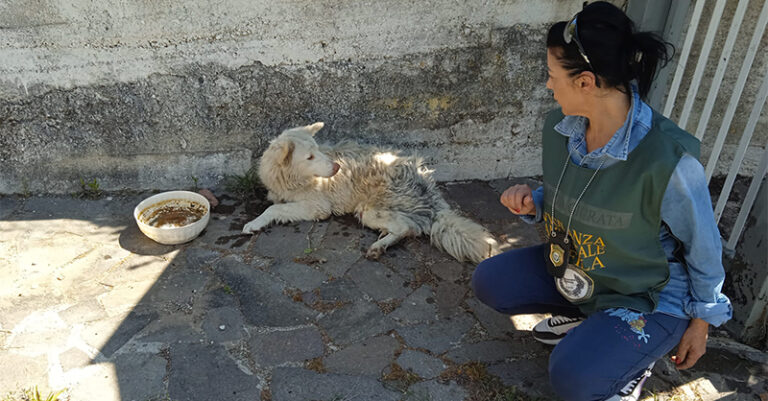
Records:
x=616, y=52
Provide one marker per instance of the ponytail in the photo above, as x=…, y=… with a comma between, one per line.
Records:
x=650, y=50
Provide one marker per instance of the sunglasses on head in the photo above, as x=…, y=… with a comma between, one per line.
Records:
x=571, y=34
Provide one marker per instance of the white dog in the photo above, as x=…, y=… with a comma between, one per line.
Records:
x=387, y=191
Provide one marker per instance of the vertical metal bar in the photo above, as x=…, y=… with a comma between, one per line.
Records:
x=754, y=44
x=701, y=64
x=746, y=136
x=725, y=56
x=680, y=69
x=672, y=32
x=749, y=201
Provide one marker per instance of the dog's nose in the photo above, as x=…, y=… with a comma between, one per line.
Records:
x=336, y=168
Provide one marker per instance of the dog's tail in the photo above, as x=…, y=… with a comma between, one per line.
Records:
x=462, y=238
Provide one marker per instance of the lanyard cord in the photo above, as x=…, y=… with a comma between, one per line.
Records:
x=557, y=188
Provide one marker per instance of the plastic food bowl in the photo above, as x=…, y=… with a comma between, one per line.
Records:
x=173, y=217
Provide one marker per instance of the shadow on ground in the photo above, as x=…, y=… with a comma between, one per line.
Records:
x=294, y=313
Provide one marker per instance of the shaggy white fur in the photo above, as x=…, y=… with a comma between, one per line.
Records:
x=385, y=189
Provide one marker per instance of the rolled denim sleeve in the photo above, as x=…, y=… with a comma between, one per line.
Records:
x=687, y=210
x=538, y=202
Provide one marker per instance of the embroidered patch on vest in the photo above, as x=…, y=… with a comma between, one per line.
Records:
x=575, y=285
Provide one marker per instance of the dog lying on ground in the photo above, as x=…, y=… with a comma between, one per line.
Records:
x=386, y=191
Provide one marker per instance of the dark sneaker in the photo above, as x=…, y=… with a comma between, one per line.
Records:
x=552, y=330
x=631, y=392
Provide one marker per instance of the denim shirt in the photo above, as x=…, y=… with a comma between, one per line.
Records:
x=694, y=288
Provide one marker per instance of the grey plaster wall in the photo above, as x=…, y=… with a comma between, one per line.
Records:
x=149, y=94
x=747, y=279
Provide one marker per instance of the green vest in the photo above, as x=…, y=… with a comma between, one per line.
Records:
x=616, y=257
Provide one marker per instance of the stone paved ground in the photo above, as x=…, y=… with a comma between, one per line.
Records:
x=89, y=305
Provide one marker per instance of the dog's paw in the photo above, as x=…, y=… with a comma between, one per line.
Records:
x=374, y=253
x=253, y=227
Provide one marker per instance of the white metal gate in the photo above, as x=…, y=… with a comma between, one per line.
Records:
x=698, y=79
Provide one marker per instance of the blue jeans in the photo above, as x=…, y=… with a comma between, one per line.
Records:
x=601, y=355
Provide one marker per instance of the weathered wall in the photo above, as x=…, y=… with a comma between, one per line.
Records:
x=747, y=278
x=147, y=94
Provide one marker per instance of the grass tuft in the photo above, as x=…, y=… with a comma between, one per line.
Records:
x=244, y=186
x=483, y=386
x=33, y=395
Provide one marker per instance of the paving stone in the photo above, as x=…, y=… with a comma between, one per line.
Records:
x=281, y=242
x=102, y=211
x=437, y=337
x=199, y=257
x=337, y=262
x=178, y=284
x=424, y=365
x=50, y=252
x=83, y=312
x=378, y=281
x=101, y=379
x=110, y=335
x=194, y=367
x=224, y=325
x=38, y=333
x=355, y=322
x=169, y=329
x=133, y=240
x=529, y=376
x=337, y=291
x=261, y=297
x=448, y=270
x=448, y=298
x=487, y=351
x=404, y=258
x=500, y=185
x=368, y=357
x=432, y=390
x=295, y=384
x=8, y=205
x=140, y=375
x=219, y=297
x=22, y=372
x=73, y=358
x=339, y=246
x=317, y=230
x=278, y=347
x=480, y=201
x=125, y=297
x=496, y=324
x=416, y=308
x=224, y=233
x=299, y=276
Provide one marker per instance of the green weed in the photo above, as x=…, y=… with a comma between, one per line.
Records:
x=89, y=190
x=243, y=186
x=32, y=395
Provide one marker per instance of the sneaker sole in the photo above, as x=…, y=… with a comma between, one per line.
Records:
x=547, y=338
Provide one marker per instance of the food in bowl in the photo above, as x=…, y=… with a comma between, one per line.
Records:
x=173, y=217
x=173, y=213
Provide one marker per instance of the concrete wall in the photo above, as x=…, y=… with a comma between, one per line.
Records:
x=747, y=278
x=149, y=93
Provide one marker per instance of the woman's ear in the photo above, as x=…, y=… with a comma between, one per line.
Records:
x=586, y=80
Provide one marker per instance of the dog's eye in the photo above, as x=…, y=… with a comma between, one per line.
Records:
x=311, y=157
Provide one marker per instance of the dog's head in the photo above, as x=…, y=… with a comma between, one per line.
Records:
x=296, y=150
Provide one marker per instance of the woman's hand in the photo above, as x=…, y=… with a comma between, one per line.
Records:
x=693, y=344
x=519, y=199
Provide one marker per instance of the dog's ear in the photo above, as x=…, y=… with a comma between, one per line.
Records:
x=314, y=128
x=286, y=151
